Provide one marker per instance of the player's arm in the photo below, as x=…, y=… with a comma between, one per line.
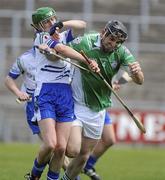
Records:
x=71, y=24
x=136, y=73
x=75, y=24
x=131, y=66
x=75, y=27
x=12, y=86
x=10, y=81
x=70, y=53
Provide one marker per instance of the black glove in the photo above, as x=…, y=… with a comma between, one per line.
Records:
x=56, y=25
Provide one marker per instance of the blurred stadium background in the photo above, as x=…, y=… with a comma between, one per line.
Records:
x=145, y=20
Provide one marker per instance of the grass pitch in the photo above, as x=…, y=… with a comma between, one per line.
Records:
x=117, y=164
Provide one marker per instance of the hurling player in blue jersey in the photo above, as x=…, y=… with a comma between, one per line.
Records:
x=55, y=111
x=25, y=65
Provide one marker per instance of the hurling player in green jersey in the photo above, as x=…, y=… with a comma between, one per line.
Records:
x=91, y=95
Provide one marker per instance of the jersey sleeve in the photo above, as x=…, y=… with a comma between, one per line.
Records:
x=17, y=69
x=126, y=57
x=66, y=36
x=69, y=36
x=44, y=38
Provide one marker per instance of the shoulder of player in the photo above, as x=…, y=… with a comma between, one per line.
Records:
x=26, y=57
x=125, y=54
x=87, y=39
x=91, y=35
x=123, y=50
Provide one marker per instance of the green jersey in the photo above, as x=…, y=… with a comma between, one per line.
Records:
x=89, y=88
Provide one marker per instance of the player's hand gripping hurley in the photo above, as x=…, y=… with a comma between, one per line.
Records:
x=138, y=123
x=19, y=101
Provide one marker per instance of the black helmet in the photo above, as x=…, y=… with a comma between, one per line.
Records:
x=117, y=29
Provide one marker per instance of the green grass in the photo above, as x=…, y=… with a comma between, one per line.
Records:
x=116, y=164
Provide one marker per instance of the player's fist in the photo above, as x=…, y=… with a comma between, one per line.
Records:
x=56, y=26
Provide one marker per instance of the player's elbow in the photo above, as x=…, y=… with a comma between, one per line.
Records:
x=7, y=80
x=83, y=24
x=139, y=81
x=139, y=78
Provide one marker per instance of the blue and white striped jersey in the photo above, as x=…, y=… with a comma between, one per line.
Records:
x=52, y=71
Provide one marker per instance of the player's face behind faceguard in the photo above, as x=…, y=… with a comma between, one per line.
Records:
x=43, y=18
x=114, y=34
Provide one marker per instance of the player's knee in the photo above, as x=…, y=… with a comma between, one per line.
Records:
x=72, y=151
x=50, y=145
x=84, y=157
x=113, y=141
x=110, y=142
x=60, y=148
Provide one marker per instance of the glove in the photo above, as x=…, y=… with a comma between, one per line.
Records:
x=56, y=25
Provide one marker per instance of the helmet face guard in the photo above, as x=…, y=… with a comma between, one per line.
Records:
x=42, y=14
x=116, y=29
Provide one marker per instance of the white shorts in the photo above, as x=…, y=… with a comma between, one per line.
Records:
x=91, y=122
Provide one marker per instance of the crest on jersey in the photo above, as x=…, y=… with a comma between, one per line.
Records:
x=46, y=37
x=114, y=64
x=77, y=40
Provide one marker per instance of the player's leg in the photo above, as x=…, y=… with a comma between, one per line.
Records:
x=64, y=118
x=66, y=162
x=107, y=140
x=78, y=162
x=47, y=129
x=74, y=143
x=33, y=124
x=92, y=129
x=62, y=131
x=46, y=116
x=103, y=145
